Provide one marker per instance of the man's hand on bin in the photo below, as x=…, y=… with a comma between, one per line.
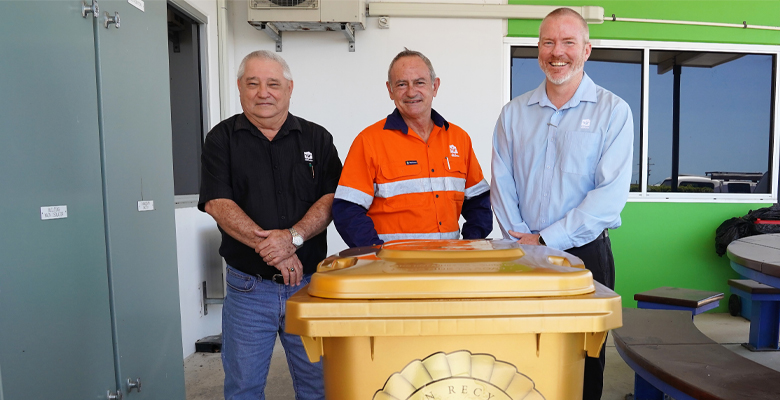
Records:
x=275, y=246
x=526, y=238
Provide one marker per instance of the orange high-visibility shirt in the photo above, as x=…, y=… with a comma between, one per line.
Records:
x=412, y=189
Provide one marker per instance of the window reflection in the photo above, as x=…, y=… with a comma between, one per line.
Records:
x=720, y=139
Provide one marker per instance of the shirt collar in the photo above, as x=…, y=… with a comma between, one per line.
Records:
x=585, y=92
x=290, y=124
x=395, y=122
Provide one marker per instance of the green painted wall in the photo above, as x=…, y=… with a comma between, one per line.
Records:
x=672, y=244
x=755, y=12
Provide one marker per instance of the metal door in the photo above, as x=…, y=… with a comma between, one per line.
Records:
x=55, y=331
x=137, y=159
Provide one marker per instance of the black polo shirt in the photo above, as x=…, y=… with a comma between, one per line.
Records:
x=274, y=182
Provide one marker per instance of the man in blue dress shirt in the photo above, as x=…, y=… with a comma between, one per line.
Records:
x=562, y=158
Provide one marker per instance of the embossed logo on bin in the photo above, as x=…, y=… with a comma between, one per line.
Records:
x=460, y=375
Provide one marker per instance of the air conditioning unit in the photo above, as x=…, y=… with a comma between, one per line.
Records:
x=350, y=11
x=276, y=16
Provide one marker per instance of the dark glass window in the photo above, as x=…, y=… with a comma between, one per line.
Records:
x=710, y=122
x=186, y=101
x=619, y=71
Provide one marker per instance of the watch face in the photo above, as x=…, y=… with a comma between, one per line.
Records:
x=297, y=239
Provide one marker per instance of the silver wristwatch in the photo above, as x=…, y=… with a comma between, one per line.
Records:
x=297, y=240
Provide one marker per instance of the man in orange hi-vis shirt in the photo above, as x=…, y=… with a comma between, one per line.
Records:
x=413, y=174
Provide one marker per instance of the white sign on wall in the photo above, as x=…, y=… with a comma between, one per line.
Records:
x=54, y=212
x=146, y=205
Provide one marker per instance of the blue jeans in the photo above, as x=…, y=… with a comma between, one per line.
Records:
x=252, y=316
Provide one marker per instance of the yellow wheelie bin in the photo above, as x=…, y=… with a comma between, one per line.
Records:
x=453, y=320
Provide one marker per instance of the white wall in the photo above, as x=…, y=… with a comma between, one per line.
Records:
x=197, y=247
x=197, y=237
x=345, y=92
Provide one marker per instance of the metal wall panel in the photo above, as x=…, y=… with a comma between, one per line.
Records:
x=137, y=156
x=55, y=332
x=90, y=300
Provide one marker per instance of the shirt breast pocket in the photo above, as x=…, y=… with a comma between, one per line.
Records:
x=400, y=179
x=398, y=171
x=455, y=181
x=455, y=166
x=305, y=181
x=580, y=153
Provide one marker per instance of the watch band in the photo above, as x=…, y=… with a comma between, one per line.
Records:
x=297, y=239
x=541, y=240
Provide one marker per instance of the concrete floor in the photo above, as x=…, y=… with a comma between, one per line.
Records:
x=203, y=373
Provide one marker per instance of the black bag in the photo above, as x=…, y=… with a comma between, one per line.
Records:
x=735, y=228
x=768, y=213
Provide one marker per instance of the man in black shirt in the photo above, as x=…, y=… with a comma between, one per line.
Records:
x=268, y=179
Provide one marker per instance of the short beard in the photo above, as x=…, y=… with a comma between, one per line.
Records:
x=576, y=69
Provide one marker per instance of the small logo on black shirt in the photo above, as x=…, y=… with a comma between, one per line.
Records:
x=411, y=162
x=307, y=156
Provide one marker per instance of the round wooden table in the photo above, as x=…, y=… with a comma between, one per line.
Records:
x=757, y=257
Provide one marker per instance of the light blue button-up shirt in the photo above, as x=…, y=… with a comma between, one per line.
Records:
x=564, y=173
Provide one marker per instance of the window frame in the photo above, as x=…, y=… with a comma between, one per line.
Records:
x=646, y=47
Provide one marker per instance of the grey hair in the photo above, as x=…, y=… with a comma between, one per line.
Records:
x=412, y=53
x=265, y=55
x=568, y=12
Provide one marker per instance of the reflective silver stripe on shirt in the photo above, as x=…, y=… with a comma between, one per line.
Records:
x=353, y=195
x=436, y=235
x=420, y=185
x=477, y=189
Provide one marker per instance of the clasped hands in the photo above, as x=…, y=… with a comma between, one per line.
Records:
x=276, y=249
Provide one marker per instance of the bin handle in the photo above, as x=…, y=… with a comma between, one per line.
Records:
x=593, y=343
x=335, y=262
x=459, y=256
x=313, y=347
x=563, y=262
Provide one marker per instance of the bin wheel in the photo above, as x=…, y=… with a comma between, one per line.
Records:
x=735, y=305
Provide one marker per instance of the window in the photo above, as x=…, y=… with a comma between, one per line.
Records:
x=185, y=55
x=707, y=112
x=709, y=119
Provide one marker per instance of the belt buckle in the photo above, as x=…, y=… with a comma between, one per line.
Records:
x=278, y=278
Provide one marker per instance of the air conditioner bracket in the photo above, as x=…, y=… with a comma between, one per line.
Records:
x=273, y=32
x=275, y=29
x=349, y=32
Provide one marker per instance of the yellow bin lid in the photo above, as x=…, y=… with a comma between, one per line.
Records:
x=452, y=269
